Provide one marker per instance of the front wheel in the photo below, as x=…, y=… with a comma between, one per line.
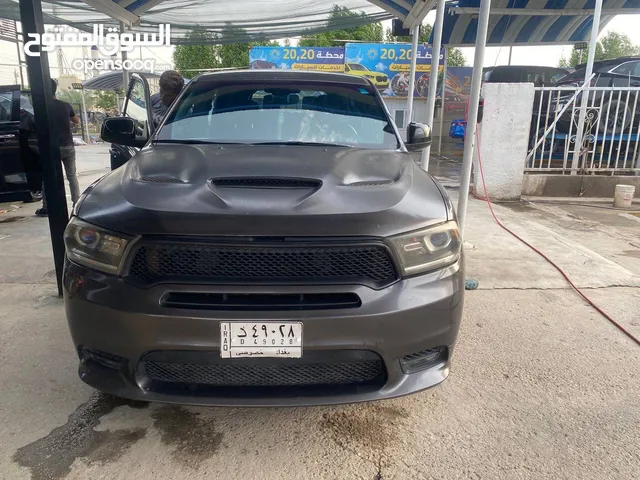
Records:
x=618, y=119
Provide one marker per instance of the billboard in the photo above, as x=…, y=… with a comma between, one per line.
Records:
x=387, y=66
x=326, y=59
x=457, y=89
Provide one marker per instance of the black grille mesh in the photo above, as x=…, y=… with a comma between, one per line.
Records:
x=368, y=264
x=275, y=375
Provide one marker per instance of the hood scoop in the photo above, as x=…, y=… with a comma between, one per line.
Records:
x=371, y=183
x=265, y=182
x=158, y=179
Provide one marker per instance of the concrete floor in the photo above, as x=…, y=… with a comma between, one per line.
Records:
x=542, y=387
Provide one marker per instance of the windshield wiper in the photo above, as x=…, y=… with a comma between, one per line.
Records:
x=298, y=142
x=197, y=142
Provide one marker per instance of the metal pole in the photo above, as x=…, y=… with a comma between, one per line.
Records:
x=472, y=121
x=580, y=56
x=595, y=30
x=15, y=24
x=510, y=53
x=444, y=96
x=125, y=72
x=412, y=70
x=85, y=116
x=433, y=82
x=42, y=95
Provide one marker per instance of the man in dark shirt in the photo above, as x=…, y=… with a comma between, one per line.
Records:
x=171, y=83
x=63, y=115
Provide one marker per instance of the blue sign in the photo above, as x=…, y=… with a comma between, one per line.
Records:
x=326, y=59
x=387, y=66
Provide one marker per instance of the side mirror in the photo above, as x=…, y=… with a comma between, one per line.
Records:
x=418, y=136
x=122, y=131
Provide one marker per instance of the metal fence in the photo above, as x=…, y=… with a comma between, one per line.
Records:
x=610, y=143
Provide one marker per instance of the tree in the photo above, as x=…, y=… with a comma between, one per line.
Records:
x=455, y=58
x=612, y=45
x=196, y=55
x=204, y=50
x=339, y=30
x=106, y=100
x=235, y=55
x=74, y=97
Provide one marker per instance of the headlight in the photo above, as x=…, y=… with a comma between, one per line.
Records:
x=428, y=249
x=93, y=246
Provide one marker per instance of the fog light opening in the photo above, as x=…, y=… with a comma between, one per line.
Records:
x=416, y=362
x=105, y=359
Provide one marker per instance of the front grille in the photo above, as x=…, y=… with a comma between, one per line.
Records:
x=381, y=78
x=367, y=264
x=266, y=375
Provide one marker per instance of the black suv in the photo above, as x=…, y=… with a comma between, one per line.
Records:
x=619, y=110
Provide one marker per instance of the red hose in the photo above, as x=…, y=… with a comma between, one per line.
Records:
x=587, y=299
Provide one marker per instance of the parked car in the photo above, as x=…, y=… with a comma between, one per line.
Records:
x=615, y=110
x=20, y=169
x=538, y=75
x=278, y=251
x=380, y=80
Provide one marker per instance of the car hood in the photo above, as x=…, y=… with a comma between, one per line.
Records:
x=265, y=190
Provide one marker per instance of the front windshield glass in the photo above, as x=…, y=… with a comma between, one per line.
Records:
x=327, y=113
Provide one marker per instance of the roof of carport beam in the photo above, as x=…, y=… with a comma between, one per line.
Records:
x=282, y=18
x=529, y=22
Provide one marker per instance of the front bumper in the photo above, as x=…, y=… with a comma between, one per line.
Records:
x=128, y=324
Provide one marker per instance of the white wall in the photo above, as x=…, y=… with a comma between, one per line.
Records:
x=504, y=138
x=419, y=114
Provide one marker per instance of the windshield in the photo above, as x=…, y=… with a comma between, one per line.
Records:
x=356, y=66
x=280, y=112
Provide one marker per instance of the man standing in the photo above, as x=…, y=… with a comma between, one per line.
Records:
x=63, y=115
x=171, y=83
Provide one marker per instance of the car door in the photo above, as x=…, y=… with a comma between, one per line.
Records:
x=137, y=105
x=14, y=183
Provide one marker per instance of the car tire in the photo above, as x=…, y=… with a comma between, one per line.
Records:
x=33, y=197
x=612, y=123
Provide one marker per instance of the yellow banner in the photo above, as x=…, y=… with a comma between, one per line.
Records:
x=319, y=67
x=403, y=67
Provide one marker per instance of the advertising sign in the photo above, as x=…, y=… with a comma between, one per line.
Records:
x=326, y=59
x=457, y=88
x=387, y=66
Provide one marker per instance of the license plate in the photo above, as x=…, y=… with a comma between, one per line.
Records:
x=260, y=339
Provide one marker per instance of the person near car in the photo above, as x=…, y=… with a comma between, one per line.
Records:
x=62, y=116
x=171, y=83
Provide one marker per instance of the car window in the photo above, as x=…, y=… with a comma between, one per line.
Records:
x=5, y=106
x=136, y=107
x=356, y=66
x=280, y=112
x=626, y=68
x=636, y=70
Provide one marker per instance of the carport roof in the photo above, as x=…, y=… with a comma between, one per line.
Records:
x=529, y=22
x=233, y=22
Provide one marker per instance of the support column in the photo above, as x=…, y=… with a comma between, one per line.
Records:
x=433, y=82
x=444, y=98
x=125, y=72
x=412, y=71
x=595, y=29
x=40, y=85
x=472, y=121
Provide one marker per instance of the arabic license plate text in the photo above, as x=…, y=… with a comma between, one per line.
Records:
x=260, y=339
